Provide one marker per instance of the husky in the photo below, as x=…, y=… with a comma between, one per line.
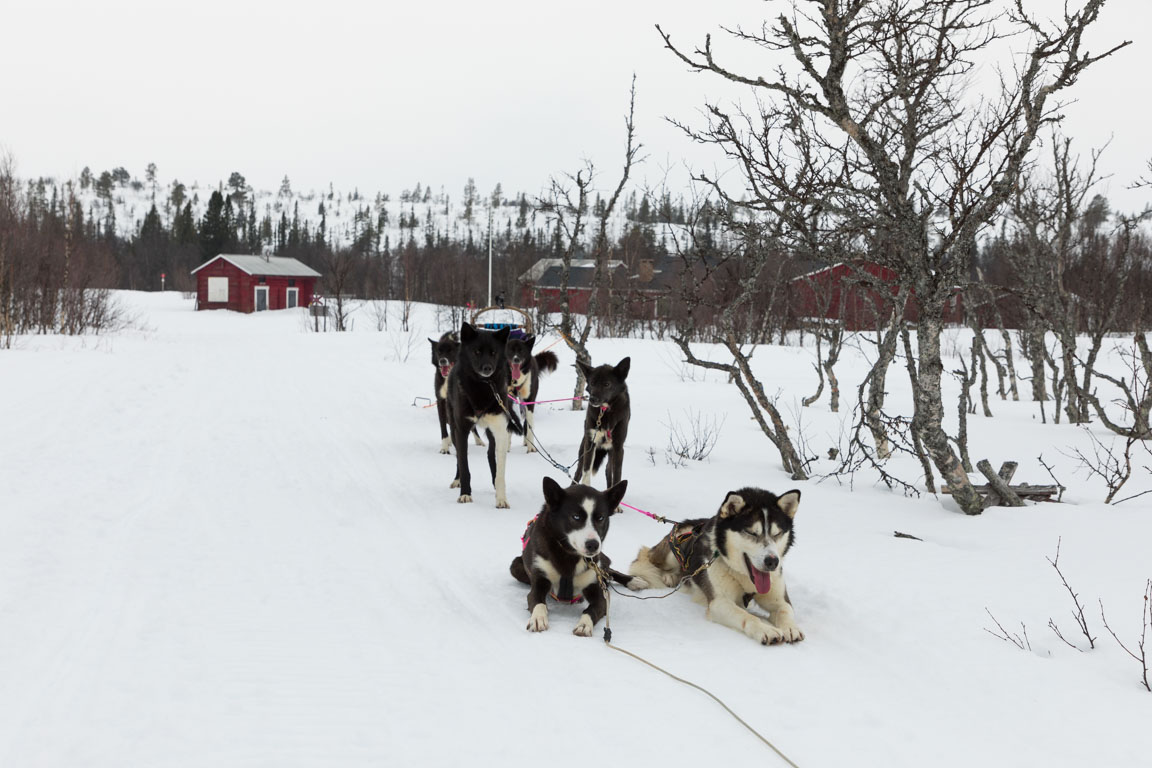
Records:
x=478, y=396
x=444, y=354
x=524, y=378
x=731, y=560
x=606, y=422
x=559, y=547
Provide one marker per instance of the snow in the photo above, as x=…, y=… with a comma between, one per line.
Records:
x=228, y=541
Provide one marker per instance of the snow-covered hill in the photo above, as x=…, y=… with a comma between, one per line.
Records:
x=228, y=541
x=407, y=212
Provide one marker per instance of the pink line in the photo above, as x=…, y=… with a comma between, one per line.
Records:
x=654, y=517
x=537, y=402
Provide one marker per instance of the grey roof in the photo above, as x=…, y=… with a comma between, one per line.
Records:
x=536, y=272
x=546, y=273
x=264, y=265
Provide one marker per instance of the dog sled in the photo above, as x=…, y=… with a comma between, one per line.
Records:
x=498, y=317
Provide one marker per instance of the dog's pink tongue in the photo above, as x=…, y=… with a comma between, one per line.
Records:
x=445, y=370
x=515, y=372
x=762, y=580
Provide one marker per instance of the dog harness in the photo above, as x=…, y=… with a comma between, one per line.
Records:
x=524, y=545
x=680, y=544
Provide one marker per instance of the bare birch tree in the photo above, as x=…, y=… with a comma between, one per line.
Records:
x=568, y=201
x=871, y=112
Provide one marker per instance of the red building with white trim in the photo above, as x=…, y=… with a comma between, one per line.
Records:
x=246, y=283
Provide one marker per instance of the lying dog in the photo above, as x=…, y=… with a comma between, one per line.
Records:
x=444, y=354
x=524, y=374
x=559, y=544
x=750, y=536
x=606, y=422
x=478, y=396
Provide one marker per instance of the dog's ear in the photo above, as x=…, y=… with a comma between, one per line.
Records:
x=553, y=493
x=584, y=368
x=502, y=335
x=789, y=502
x=622, y=368
x=615, y=495
x=528, y=342
x=467, y=332
x=732, y=504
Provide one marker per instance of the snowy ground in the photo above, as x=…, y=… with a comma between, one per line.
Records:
x=228, y=541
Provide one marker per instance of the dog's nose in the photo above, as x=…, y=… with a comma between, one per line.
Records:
x=592, y=546
x=771, y=562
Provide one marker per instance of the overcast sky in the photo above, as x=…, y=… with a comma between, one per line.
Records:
x=382, y=95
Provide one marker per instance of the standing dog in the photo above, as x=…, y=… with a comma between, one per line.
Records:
x=478, y=396
x=559, y=546
x=444, y=354
x=606, y=422
x=750, y=536
x=524, y=378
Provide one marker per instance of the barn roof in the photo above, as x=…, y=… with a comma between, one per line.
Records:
x=547, y=273
x=279, y=266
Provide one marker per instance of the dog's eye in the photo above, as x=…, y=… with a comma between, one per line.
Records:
x=598, y=517
x=576, y=515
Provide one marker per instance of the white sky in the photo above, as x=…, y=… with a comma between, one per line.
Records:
x=383, y=95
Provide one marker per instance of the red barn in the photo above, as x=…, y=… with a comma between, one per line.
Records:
x=245, y=283
x=855, y=293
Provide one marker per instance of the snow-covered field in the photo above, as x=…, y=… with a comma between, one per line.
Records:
x=228, y=541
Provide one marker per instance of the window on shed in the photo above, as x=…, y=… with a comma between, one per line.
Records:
x=218, y=289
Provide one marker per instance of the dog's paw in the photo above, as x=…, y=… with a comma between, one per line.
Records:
x=539, y=620
x=479, y=442
x=669, y=579
x=455, y=484
x=638, y=584
x=502, y=504
x=531, y=448
x=763, y=632
x=583, y=627
x=790, y=632
x=445, y=446
x=464, y=499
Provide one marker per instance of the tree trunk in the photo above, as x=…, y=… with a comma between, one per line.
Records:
x=1010, y=362
x=928, y=419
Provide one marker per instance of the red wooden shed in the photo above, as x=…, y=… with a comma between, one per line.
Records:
x=857, y=295
x=245, y=283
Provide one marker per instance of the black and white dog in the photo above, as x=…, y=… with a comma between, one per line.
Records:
x=559, y=545
x=524, y=374
x=750, y=535
x=478, y=396
x=444, y=354
x=606, y=422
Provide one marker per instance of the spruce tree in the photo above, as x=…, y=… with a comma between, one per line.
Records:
x=184, y=226
x=213, y=228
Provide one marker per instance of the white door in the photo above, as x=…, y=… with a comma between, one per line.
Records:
x=261, y=298
x=292, y=298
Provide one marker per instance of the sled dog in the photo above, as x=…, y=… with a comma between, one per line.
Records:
x=524, y=378
x=745, y=543
x=558, y=547
x=444, y=354
x=478, y=396
x=606, y=421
